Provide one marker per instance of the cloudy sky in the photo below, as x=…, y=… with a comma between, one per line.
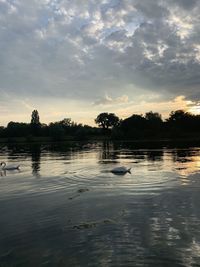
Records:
x=79, y=58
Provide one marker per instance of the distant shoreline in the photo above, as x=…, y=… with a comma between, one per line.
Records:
x=151, y=141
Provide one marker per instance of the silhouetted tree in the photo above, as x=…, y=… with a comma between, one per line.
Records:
x=180, y=119
x=35, y=119
x=134, y=126
x=17, y=129
x=35, y=123
x=179, y=116
x=179, y=124
x=154, y=122
x=66, y=122
x=107, y=120
x=56, y=131
x=44, y=129
x=153, y=117
x=2, y=131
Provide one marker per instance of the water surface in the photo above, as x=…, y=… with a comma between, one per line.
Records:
x=65, y=208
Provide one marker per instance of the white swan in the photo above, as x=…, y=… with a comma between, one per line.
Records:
x=121, y=170
x=9, y=167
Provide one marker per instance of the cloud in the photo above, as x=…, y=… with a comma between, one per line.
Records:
x=185, y=4
x=77, y=50
x=163, y=107
x=111, y=101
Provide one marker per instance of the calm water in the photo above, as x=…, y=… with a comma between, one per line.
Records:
x=65, y=208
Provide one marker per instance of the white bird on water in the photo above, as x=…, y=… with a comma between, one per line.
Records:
x=8, y=167
x=121, y=170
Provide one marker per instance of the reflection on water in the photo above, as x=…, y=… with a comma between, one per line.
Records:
x=35, y=158
x=108, y=153
x=78, y=213
x=154, y=155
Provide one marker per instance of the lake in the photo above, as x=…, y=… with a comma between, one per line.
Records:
x=65, y=208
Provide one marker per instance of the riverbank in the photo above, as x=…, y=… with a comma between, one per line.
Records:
x=41, y=139
x=150, y=142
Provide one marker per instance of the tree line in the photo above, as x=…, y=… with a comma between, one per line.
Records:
x=55, y=130
x=179, y=124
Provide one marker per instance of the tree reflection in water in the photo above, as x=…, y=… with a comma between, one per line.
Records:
x=35, y=158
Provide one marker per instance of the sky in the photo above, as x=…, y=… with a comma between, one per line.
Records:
x=76, y=59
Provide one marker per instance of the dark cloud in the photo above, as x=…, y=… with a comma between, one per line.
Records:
x=185, y=3
x=151, y=9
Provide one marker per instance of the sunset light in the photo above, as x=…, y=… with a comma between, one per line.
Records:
x=195, y=109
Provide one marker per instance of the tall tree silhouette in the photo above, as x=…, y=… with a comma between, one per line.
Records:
x=35, y=119
x=35, y=123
